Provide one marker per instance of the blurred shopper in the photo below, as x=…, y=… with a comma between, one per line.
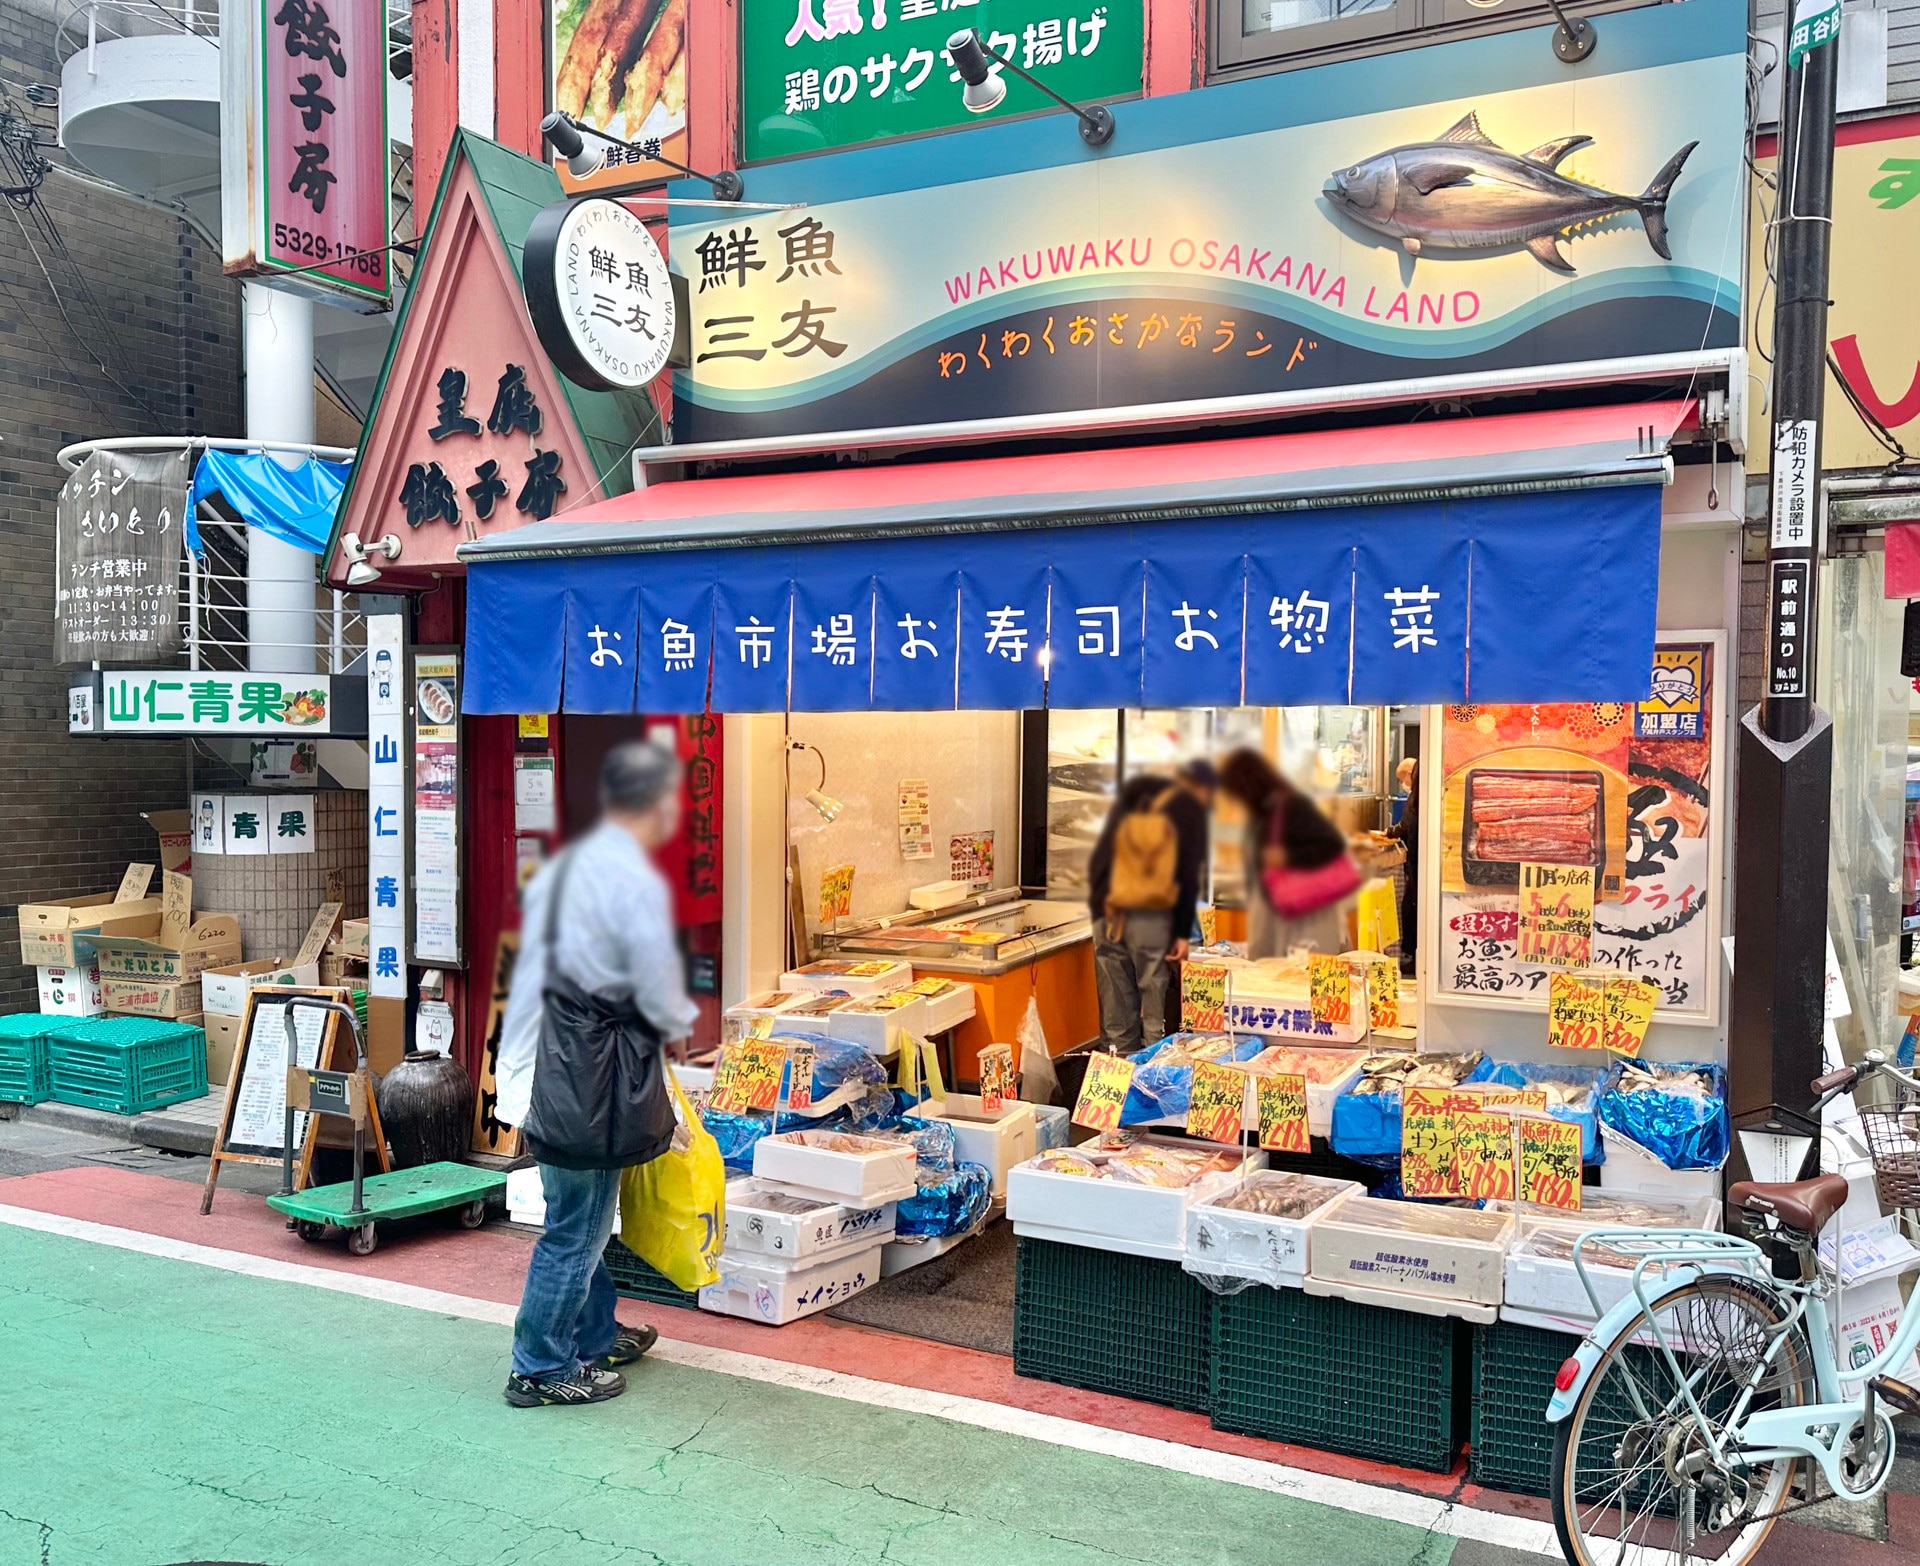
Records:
x=1143, y=884
x=598, y=994
x=1407, y=834
x=1301, y=877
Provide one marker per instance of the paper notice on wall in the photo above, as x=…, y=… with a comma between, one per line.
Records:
x=436, y=923
x=970, y=858
x=916, y=819
x=534, y=805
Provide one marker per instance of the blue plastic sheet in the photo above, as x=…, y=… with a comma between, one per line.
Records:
x=1527, y=1073
x=949, y=1201
x=737, y=1135
x=1369, y=1123
x=1682, y=1130
x=295, y=505
x=1163, y=1092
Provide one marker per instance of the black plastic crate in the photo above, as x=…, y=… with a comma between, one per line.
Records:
x=1130, y=1325
x=1513, y=1369
x=1327, y=1373
x=638, y=1281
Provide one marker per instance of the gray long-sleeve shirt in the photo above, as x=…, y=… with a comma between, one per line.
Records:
x=614, y=937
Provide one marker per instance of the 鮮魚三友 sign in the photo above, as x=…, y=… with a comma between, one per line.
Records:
x=117, y=568
x=817, y=74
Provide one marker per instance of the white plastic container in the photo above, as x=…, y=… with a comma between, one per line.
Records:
x=874, y=1022
x=1112, y=1215
x=70, y=992
x=1232, y=1242
x=950, y=1002
x=765, y=1219
x=839, y=1165
x=760, y=1288
x=1630, y=1167
x=1397, y=1253
x=526, y=1198
x=849, y=976
x=996, y=1141
x=939, y=894
x=737, y=1021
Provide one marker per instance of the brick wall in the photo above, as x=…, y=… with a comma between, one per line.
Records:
x=70, y=809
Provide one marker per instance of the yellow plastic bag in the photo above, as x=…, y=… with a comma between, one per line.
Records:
x=673, y=1211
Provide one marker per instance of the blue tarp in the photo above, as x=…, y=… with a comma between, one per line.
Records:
x=1527, y=1073
x=295, y=505
x=1546, y=597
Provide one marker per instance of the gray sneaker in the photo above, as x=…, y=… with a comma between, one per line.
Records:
x=582, y=1385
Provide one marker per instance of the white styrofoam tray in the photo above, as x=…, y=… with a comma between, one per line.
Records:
x=998, y=1143
x=876, y=1026
x=759, y=1288
x=1630, y=1167
x=754, y=1228
x=1141, y=1216
x=849, y=976
x=951, y=1007
x=840, y=1164
x=1120, y=1245
x=1451, y=1254
x=1227, y=1242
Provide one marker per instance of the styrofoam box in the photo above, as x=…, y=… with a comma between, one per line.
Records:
x=838, y=1163
x=526, y=1197
x=1228, y=1242
x=1112, y=1215
x=996, y=1141
x=872, y=1021
x=70, y=992
x=851, y=976
x=1320, y=1097
x=759, y=1288
x=1453, y=1254
x=1543, y=1286
x=1630, y=1167
x=952, y=1006
x=756, y=1226
x=940, y=894
x=737, y=1019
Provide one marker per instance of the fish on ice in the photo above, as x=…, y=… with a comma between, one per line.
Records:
x=1466, y=192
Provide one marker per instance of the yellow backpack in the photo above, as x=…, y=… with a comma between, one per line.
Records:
x=1146, y=860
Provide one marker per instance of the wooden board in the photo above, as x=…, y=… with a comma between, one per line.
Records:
x=490, y=1134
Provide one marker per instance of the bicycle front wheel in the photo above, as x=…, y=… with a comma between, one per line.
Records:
x=1636, y=1481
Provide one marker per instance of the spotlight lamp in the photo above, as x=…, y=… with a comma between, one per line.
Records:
x=983, y=87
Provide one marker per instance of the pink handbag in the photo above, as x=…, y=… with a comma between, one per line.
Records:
x=1296, y=893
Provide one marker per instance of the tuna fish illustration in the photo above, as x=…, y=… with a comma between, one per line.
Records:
x=1466, y=192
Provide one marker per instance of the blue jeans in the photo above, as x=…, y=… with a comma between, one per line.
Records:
x=566, y=1309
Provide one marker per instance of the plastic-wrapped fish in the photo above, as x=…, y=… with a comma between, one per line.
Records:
x=1274, y=1194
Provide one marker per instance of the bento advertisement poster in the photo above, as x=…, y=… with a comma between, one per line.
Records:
x=1313, y=231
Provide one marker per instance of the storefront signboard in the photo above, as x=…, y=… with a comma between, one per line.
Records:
x=117, y=531
x=820, y=74
x=598, y=292
x=386, y=806
x=1622, y=790
x=436, y=807
x=191, y=701
x=621, y=66
x=304, y=154
x=1290, y=235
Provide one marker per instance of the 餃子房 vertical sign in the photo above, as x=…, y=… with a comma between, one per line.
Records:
x=817, y=74
x=304, y=156
x=117, y=558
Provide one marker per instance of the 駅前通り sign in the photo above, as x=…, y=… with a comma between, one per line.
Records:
x=193, y=701
x=817, y=74
x=1292, y=235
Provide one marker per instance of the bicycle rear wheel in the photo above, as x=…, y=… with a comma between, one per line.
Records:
x=1635, y=1483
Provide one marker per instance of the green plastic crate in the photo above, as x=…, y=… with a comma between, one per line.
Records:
x=1361, y=1379
x=1513, y=1369
x=23, y=1057
x=127, y=1065
x=638, y=1281
x=1130, y=1325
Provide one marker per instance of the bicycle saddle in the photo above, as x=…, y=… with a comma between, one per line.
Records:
x=1806, y=1205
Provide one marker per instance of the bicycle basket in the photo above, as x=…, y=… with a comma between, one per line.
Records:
x=1893, y=1138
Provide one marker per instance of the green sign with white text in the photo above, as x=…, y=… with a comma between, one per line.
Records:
x=189, y=701
x=818, y=74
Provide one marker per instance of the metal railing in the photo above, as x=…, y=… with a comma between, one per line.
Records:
x=83, y=25
x=216, y=631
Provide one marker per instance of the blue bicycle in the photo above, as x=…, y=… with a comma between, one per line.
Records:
x=1700, y=1409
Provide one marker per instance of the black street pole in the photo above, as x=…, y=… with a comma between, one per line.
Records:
x=1786, y=745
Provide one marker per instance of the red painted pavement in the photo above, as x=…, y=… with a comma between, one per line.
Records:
x=490, y=1264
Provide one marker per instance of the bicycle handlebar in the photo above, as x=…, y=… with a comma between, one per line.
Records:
x=1847, y=1078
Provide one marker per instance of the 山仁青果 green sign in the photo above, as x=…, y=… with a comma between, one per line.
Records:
x=817, y=74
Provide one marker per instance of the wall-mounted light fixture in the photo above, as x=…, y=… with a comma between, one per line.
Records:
x=361, y=571
x=984, y=87
x=825, y=803
x=585, y=150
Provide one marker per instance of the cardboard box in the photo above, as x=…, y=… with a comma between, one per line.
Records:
x=172, y=999
x=174, y=828
x=223, y=1039
x=48, y=930
x=224, y=989
x=353, y=938
x=70, y=992
x=171, y=945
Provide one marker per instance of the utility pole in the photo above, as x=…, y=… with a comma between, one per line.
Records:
x=1786, y=745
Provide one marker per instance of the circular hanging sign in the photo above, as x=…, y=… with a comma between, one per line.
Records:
x=598, y=291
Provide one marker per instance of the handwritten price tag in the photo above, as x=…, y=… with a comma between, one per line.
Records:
x=1209, y=924
x=1383, y=993
x=1203, y=997
x=1283, y=1113
x=1217, y=1106
x=836, y=893
x=1103, y=1092
x=1556, y=915
x=1576, y=1012
x=748, y=1076
x=1629, y=1012
x=996, y=1077
x=1483, y=1156
x=1550, y=1163
x=800, y=1074
x=1513, y=1098
x=1426, y=1140
x=1330, y=989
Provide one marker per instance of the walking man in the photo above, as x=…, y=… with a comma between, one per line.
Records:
x=597, y=995
x=1143, y=883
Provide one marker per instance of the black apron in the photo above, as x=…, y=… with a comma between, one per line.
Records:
x=600, y=1097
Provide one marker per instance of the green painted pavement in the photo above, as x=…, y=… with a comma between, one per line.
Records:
x=160, y=1411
